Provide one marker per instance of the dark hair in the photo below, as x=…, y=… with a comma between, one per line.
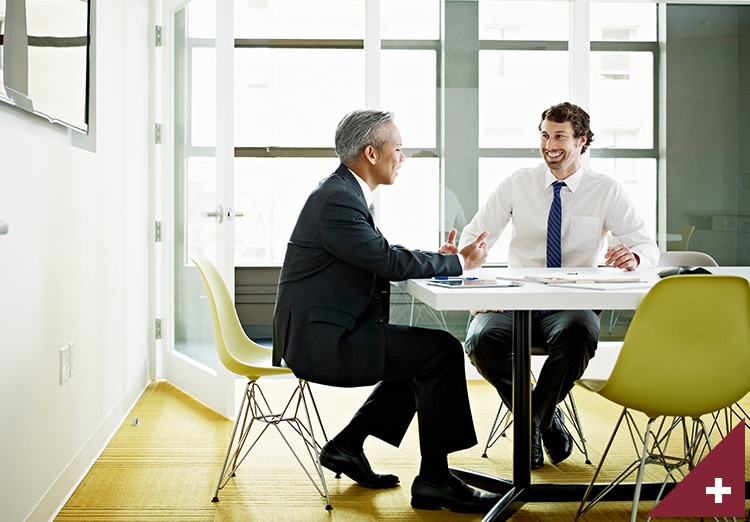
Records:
x=580, y=120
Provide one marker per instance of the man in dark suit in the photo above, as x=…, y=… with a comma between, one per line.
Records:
x=331, y=322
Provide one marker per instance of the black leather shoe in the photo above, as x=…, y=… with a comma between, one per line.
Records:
x=557, y=440
x=455, y=495
x=356, y=467
x=537, y=455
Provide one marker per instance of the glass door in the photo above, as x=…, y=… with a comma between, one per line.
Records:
x=197, y=218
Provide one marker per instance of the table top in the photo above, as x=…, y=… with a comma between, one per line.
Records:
x=538, y=296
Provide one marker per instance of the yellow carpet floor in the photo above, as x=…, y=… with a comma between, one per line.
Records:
x=164, y=467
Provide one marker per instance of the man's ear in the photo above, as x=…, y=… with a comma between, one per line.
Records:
x=371, y=153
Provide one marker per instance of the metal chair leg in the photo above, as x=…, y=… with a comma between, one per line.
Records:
x=651, y=447
x=571, y=412
x=503, y=421
x=499, y=426
x=300, y=414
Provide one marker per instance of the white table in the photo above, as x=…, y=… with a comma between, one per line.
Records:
x=522, y=300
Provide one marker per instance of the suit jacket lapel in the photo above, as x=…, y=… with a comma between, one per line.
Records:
x=348, y=177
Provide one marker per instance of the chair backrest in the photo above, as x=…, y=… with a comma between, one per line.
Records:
x=687, y=258
x=687, y=350
x=238, y=353
x=685, y=232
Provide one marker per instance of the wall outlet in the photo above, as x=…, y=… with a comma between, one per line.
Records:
x=64, y=364
x=71, y=359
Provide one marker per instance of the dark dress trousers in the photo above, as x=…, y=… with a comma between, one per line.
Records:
x=330, y=323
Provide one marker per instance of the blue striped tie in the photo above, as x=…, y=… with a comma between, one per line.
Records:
x=554, y=225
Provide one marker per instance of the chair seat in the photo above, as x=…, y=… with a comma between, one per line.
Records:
x=243, y=356
x=685, y=355
x=593, y=385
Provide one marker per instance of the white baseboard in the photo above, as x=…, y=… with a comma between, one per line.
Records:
x=58, y=494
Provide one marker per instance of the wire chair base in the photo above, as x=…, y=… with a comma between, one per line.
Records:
x=300, y=415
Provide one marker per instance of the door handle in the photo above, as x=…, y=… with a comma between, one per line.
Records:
x=231, y=214
x=217, y=214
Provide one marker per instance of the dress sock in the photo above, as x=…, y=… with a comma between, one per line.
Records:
x=435, y=469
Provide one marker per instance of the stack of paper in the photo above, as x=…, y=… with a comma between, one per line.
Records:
x=593, y=277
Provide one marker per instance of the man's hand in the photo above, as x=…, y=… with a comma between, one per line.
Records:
x=475, y=253
x=449, y=247
x=620, y=256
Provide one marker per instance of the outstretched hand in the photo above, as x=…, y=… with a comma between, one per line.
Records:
x=449, y=247
x=475, y=253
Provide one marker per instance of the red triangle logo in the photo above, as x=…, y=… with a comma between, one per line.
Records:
x=715, y=487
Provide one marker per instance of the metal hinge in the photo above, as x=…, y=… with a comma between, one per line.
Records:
x=157, y=329
x=157, y=133
x=157, y=36
x=157, y=231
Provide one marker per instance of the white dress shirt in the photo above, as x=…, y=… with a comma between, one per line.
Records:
x=592, y=205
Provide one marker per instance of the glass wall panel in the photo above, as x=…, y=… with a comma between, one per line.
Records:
x=408, y=210
x=638, y=177
x=491, y=172
x=514, y=89
x=299, y=19
x=203, y=88
x=408, y=88
x=271, y=192
x=410, y=19
x=523, y=20
x=622, y=99
x=707, y=152
x=295, y=97
x=623, y=21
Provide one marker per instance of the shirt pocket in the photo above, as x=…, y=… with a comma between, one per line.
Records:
x=584, y=233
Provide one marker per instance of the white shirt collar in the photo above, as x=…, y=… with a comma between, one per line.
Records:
x=571, y=181
x=365, y=188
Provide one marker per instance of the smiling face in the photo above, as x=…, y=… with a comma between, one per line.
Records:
x=560, y=149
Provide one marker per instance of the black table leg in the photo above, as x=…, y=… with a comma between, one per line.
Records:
x=515, y=497
x=521, y=398
x=519, y=491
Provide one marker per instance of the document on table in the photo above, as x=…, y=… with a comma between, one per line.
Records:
x=599, y=277
x=612, y=287
x=471, y=282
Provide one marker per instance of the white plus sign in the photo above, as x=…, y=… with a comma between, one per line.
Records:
x=718, y=490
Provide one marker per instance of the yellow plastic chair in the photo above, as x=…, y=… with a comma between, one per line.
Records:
x=674, y=258
x=685, y=232
x=736, y=412
x=242, y=356
x=685, y=355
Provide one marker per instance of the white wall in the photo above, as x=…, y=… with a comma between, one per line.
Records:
x=74, y=267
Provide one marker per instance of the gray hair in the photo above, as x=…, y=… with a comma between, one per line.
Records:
x=357, y=130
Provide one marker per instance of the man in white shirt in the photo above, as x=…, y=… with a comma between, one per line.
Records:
x=592, y=204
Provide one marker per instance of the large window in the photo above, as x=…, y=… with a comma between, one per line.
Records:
x=299, y=67
x=468, y=80
x=525, y=66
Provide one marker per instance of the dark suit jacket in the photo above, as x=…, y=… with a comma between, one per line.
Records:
x=331, y=313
